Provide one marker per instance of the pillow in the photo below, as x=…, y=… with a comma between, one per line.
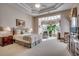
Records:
x=18, y=31
x=7, y=29
x=26, y=30
x=23, y=31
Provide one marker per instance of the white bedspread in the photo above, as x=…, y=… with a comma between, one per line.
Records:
x=32, y=37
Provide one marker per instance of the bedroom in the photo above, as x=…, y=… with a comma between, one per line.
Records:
x=21, y=28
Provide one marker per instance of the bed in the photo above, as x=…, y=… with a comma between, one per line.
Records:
x=28, y=40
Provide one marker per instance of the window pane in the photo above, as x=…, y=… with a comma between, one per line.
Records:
x=51, y=17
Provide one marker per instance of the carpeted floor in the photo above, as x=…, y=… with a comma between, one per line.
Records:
x=50, y=47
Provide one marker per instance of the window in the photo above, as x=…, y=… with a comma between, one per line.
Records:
x=46, y=19
x=51, y=17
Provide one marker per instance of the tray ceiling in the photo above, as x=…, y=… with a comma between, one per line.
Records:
x=45, y=8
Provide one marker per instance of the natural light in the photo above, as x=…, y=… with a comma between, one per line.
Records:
x=50, y=17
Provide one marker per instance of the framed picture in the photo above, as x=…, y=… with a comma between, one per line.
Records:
x=20, y=22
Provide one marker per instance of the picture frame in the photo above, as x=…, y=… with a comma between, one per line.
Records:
x=20, y=22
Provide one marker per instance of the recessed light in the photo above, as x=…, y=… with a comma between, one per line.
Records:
x=37, y=5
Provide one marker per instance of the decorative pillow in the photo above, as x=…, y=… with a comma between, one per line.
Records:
x=7, y=29
x=18, y=31
x=26, y=30
x=23, y=31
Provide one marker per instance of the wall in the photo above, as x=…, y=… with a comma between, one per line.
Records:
x=64, y=25
x=35, y=25
x=9, y=14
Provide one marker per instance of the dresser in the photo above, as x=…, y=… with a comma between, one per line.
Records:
x=6, y=38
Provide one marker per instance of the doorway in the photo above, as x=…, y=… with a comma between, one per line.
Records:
x=48, y=27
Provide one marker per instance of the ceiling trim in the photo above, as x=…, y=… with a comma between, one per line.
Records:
x=34, y=12
x=54, y=13
x=27, y=10
x=57, y=5
x=19, y=7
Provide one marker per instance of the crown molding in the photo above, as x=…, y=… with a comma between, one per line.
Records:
x=28, y=10
x=57, y=5
x=34, y=12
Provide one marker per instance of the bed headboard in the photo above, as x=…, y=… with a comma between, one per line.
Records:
x=1, y=28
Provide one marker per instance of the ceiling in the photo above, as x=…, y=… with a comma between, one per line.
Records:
x=45, y=8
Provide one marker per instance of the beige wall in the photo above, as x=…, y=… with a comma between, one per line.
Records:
x=9, y=14
x=35, y=25
x=64, y=25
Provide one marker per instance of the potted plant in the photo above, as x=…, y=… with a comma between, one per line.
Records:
x=51, y=28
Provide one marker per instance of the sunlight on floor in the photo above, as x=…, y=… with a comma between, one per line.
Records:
x=49, y=38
